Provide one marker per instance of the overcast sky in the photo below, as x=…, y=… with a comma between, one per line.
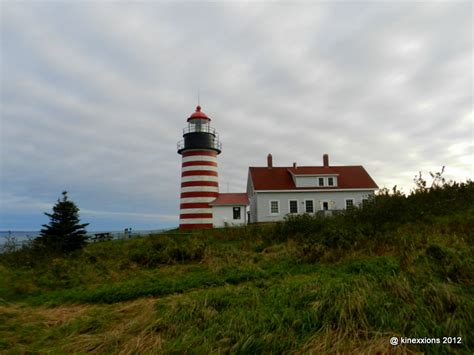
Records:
x=94, y=96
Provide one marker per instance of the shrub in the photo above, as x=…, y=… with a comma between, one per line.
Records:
x=159, y=249
x=380, y=217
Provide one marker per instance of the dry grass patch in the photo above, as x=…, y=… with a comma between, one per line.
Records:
x=122, y=328
x=56, y=316
x=128, y=330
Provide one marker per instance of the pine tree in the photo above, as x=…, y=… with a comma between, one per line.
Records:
x=64, y=233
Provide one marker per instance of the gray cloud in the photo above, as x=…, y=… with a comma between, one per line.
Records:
x=95, y=95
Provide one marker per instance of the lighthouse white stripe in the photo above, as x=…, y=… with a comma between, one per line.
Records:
x=195, y=210
x=197, y=199
x=199, y=158
x=199, y=167
x=195, y=220
x=200, y=188
x=199, y=178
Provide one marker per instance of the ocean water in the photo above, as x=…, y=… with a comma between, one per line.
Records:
x=20, y=237
x=17, y=236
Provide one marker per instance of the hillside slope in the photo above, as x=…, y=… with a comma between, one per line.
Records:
x=345, y=284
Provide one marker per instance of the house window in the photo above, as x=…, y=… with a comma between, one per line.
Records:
x=236, y=212
x=293, y=206
x=309, y=205
x=321, y=181
x=331, y=181
x=274, y=207
x=349, y=203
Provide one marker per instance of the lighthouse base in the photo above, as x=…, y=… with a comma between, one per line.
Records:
x=196, y=226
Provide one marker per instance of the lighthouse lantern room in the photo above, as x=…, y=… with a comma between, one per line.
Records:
x=199, y=178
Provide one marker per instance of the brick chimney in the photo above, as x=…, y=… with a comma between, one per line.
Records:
x=269, y=161
x=326, y=160
x=295, y=166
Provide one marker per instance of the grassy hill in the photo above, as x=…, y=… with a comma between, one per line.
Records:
x=400, y=266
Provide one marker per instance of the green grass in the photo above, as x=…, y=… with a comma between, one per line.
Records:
x=159, y=285
x=333, y=308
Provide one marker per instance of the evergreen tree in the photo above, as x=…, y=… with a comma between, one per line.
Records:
x=64, y=233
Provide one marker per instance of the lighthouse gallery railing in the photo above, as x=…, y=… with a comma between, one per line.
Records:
x=205, y=128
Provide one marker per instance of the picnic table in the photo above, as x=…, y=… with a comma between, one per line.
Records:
x=100, y=237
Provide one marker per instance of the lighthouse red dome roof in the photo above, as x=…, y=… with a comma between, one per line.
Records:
x=198, y=114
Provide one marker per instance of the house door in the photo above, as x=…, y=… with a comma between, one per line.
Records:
x=325, y=206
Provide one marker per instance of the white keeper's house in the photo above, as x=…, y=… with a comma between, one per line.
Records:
x=272, y=192
x=275, y=192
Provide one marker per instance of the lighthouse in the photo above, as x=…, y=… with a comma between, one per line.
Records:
x=199, y=177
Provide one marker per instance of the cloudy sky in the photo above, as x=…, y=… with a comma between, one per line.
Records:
x=94, y=96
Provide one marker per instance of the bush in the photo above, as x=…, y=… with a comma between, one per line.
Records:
x=376, y=220
x=158, y=249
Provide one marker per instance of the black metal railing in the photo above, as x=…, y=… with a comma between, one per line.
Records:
x=196, y=128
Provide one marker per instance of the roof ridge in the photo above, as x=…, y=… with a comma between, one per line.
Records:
x=306, y=166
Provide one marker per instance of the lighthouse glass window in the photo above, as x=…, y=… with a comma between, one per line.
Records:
x=199, y=126
x=236, y=212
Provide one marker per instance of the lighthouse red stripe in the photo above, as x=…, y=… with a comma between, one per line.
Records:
x=184, y=206
x=203, y=162
x=200, y=152
x=199, y=172
x=195, y=215
x=195, y=226
x=199, y=183
x=199, y=194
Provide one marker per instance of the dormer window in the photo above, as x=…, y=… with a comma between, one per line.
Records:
x=302, y=179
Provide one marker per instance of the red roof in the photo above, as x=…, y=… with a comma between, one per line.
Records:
x=236, y=199
x=312, y=170
x=279, y=178
x=198, y=114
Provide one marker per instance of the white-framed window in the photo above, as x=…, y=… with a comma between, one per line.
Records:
x=320, y=181
x=309, y=206
x=330, y=181
x=236, y=212
x=349, y=203
x=293, y=206
x=274, y=207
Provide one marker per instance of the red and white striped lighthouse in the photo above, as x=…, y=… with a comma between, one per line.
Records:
x=199, y=178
